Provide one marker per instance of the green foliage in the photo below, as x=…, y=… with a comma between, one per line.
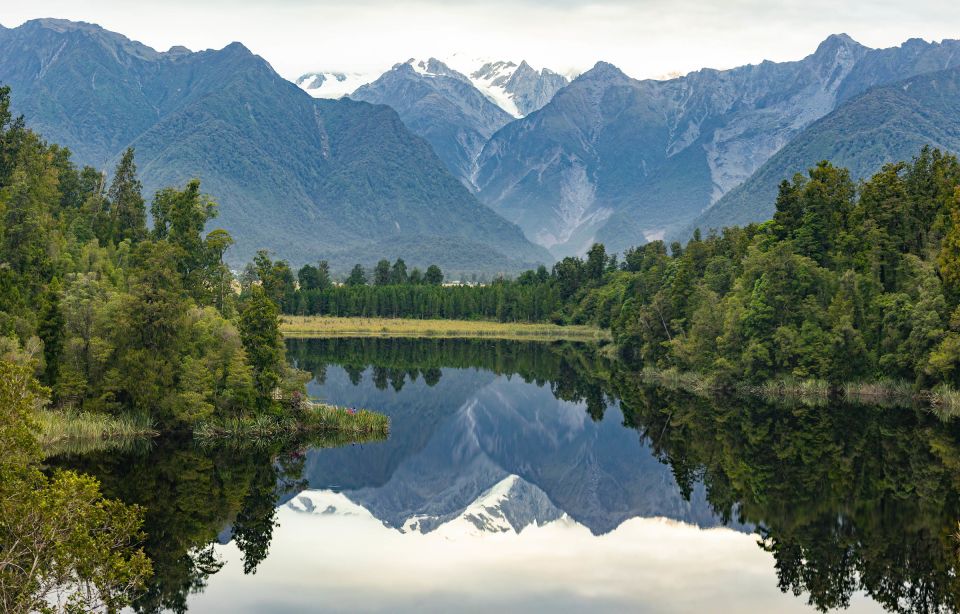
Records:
x=128, y=216
x=358, y=277
x=398, y=272
x=381, y=273
x=433, y=276
x=535, y=296
x=314, y=277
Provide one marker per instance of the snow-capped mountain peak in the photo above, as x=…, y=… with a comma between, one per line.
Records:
x=432, y=67
x=333, y=84
x=493, y=79
x=495, y=73
x=519, y=89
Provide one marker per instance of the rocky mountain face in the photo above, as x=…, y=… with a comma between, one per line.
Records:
x=305, y=178
x=621, y=161
x=457, y=112
x=441, y=105
x=885, y=124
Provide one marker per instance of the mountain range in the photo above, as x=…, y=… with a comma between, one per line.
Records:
x=441, y=105
x=518, y=89
x=305, y=178
x=619, y=160
x=885, y=124
x=475, y=165
x=623, y=161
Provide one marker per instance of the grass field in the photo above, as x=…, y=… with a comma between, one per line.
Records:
x=323, y=326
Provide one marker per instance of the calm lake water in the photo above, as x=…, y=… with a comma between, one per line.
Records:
x=543, y=477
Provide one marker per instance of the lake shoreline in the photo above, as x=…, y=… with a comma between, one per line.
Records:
x=942, y=401
x=331, y=326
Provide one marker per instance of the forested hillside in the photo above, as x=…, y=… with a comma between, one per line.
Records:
x=118, y=319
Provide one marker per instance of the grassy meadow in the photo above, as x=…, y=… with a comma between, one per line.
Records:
x=325, y=326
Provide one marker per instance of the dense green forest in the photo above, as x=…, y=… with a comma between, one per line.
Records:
x=846, y=282
x=101, y=315
x=849, y=281
x=116, y=318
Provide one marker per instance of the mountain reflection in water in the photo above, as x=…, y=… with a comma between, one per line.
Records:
x=533, y=476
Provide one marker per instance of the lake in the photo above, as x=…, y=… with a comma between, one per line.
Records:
x=546, y=477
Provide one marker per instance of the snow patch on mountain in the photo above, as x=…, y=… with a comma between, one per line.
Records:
x=492, y=79
x=333, y=84
x=518, y=89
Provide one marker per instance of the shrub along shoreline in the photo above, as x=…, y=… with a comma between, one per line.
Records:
x=310, y=418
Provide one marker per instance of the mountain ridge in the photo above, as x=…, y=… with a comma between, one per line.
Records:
x=621, y=160
x=885, y=124
x=305, y=178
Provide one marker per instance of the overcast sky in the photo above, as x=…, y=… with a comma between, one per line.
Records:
x=646, y=38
